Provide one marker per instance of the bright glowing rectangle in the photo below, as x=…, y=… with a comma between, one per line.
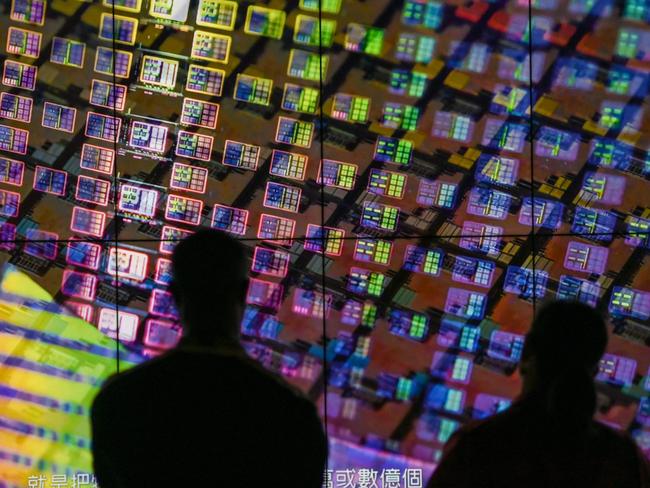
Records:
x=41, y=244
x=253, y=89
x=170, y=236
x=326, y=6
x=379, y=216
x=419, y=259
x=313, y=31
x=311, y=303
x=437, y=193
x=126, y=5
x=106, y=59
x=585, y=258
x=96, y=158
x=328, y=240
x=11, y=171
x=629, y=302
x=50, y=180
x=400, y=116
x=137, y=200
x=28, y=11
x=288, y=165
x=58, y=117
x=363, y=38
x=300, y=98
x=387, y=183
x=473, y=271
x=506, y=136
x=616, y=369
x=525, y=283
x=241, y=155
x=183, y=209
x=337, y=174
x=393, y=150
x=505, y=346
x=194, y=146
x=9, y=203
x=102, y=127
x=487, y=202
x=147, y=137
x=265, y=294
x=544, y=213
x=79, y=285
x=270, y=262
x=350, y=108
x=117, y=28
x=453, y=126
x=450, y=367
x=158, y=72
x=68, y=52
x=267, y=22
x=108, y=95
x=371, y=250
x=163, y=274
x=210, y=47
x=84, y=254
x=23, y=42
x=16, y=107
x=188, y=178
x=481, y=237
x=465, y=303
x=13, y=140
x=497, y=170
x=199, y=113
x=219, y=14
x=93, y=190
x=208, y=81
x=229, y=219
x=162, y=334
x=118, y=325
x=604, y=189
x=307, y=65
x=295, y=132
x=276, y=229
x=598, y=224
x=578, y=289
x=126, y=264
x=175, y=10
x=363, y=281
x=86, y=221
x=282, y=197
x=19, y=75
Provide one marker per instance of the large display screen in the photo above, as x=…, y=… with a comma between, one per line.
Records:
x=412, y=178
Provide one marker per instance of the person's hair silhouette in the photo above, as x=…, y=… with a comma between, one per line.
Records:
x=560, y=359
x=548, y=437
x=204, y=413
x=210, y=279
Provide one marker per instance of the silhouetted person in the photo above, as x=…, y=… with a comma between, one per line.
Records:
x=204, y=414
x=548, y=437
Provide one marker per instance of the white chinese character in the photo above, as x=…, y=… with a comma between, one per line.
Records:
x=59, y=480
x=36, y=481
x=327, y=479
x=368, y=478
x=83, y=480
x=390, y=478
x=344, y=478
x=413, y=478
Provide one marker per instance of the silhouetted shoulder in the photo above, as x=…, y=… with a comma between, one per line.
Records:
x=189, y=368
x=481, y=453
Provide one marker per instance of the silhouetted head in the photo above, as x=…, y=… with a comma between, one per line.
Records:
x=560, y=359
x=209, y=283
